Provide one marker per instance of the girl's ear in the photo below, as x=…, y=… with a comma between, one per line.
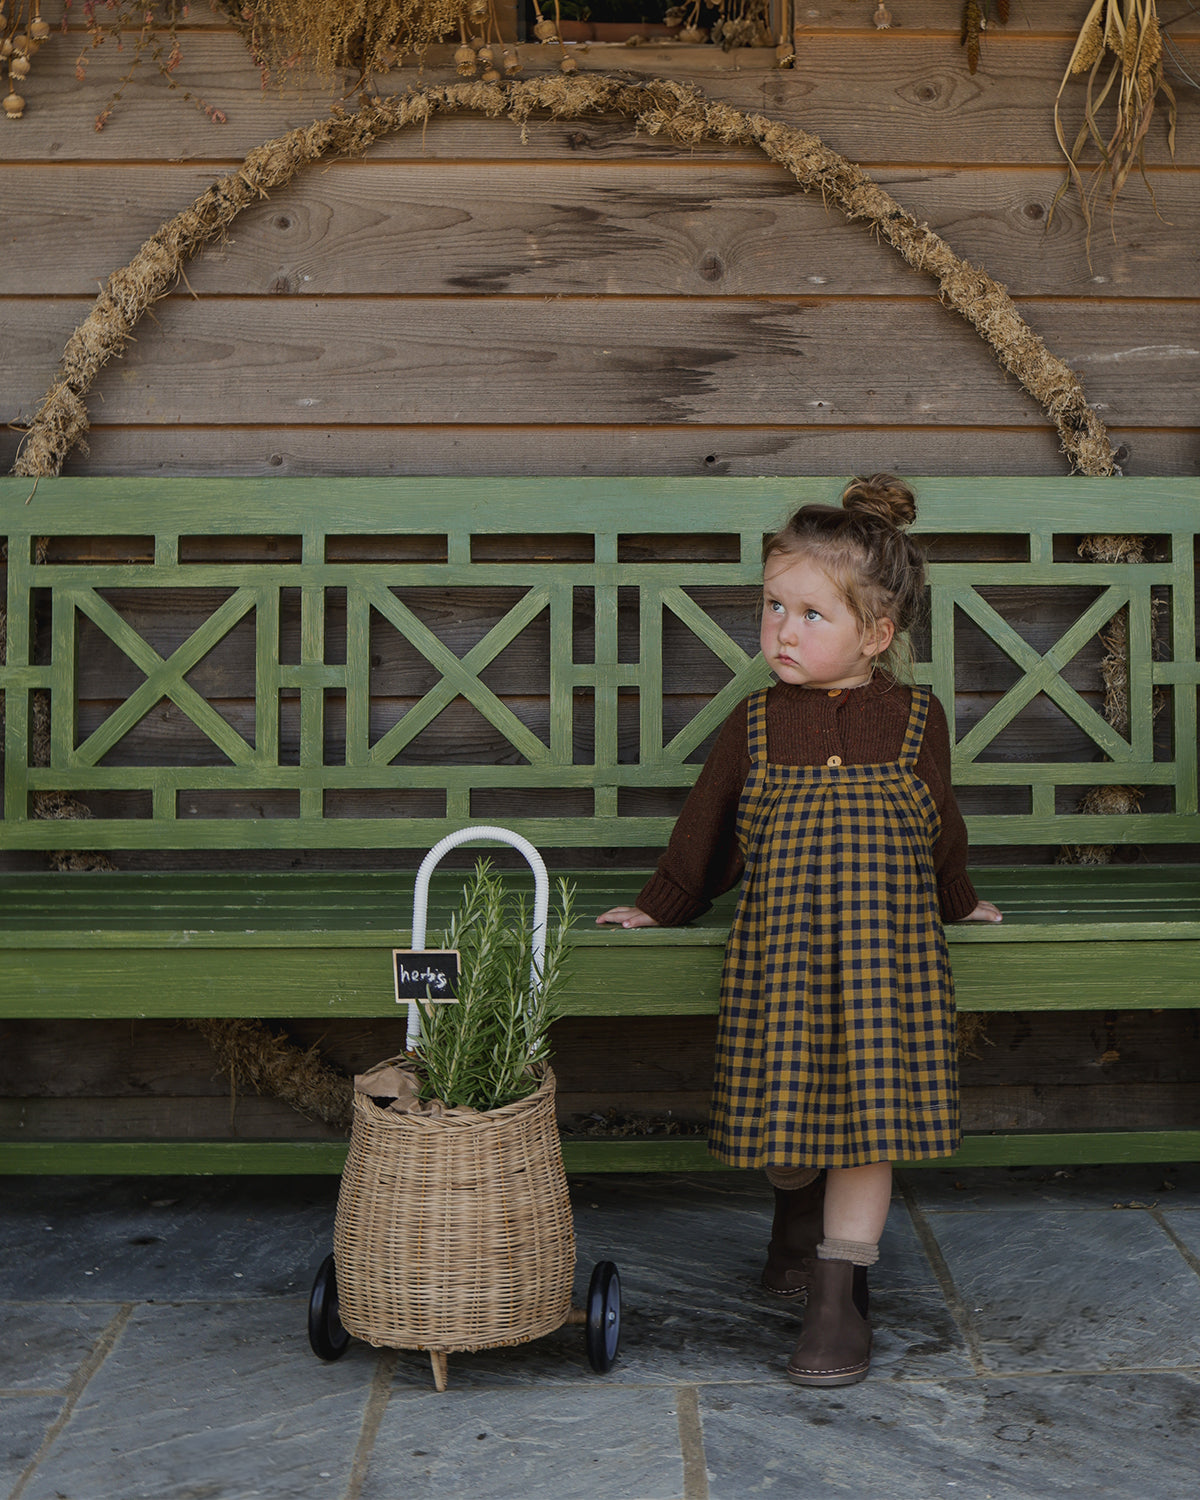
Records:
x=879, y=637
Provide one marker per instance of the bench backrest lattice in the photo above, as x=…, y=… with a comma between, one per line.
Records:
x=373, y=663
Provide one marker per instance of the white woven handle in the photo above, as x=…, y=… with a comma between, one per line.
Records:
x=541, y=902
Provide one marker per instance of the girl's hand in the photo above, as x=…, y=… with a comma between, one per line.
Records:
x=626, y=916
x=985, y=912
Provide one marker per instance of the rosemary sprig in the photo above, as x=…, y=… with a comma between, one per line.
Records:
x=479, y=1053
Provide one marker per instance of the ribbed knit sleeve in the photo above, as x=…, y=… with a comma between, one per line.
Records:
x=702, y=859
x=956, y=894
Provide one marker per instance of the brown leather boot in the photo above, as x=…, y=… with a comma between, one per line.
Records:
x=796, y=1231
x=835, y=1343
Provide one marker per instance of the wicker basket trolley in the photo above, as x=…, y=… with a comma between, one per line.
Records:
x=453, y=1230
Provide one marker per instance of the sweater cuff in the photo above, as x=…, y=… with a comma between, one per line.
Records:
x=669, y=904
x=958, y=899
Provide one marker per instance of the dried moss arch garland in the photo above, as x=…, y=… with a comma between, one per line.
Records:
x=660, y=107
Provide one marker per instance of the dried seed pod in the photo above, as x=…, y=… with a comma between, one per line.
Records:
x=882, y=17
x=486, y=57
x=1132, y=36
x=568, y=65
x=973, y=25
x=6, y=48
x=1151, y=41
x=464, y=61
x=1112, y=33
x=512, y=60
x=785, y=54
x=24, y=45
x=19, y=67
x=490, y=75
x=1089, y=46
x=14, y=106
x=694, y=36
x=546, y=31
x=39, y=30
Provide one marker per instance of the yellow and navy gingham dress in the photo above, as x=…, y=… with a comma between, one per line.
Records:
x=836, y=1043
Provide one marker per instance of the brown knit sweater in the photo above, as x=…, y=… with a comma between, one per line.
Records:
x=805, y=726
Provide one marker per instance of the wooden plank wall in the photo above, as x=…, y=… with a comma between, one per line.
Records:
x=594, y=300
x=589, y=300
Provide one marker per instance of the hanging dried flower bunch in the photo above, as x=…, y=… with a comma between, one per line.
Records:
x=738, y=23
x=21, y=34
x=743, y=23
x=150, y=28
x=687, y=18
x=1120, y=49
x=370, y=36
x=975, y=22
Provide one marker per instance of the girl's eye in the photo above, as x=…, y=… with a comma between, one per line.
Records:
x=812, y=614
x=775, y=607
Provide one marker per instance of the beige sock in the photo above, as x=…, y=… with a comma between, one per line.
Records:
x=857, y=1253
x=788, y=1179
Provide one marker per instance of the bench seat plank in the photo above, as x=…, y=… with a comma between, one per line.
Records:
x=91, y=946
x=1052, y=903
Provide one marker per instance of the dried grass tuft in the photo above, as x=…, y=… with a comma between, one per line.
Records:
x=972, y=1033
x=254, y=1055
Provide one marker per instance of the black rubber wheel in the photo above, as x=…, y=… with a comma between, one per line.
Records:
x=328, y=1338
x=603, y=1327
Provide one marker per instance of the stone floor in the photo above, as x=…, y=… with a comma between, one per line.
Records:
x=1037, y=1332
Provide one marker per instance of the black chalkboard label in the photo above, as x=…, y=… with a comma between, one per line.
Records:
x=426, y=974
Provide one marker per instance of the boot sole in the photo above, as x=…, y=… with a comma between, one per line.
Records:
x=849, y=1375
x=833, y=1377
x=788, y=1294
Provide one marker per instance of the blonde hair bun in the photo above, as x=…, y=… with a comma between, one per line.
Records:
x=881, y=495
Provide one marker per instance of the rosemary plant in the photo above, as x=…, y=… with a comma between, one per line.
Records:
x=479, y=1053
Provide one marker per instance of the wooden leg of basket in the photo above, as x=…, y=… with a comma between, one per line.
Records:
x=440, y=1369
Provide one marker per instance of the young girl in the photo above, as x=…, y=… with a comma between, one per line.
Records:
x=829, y=795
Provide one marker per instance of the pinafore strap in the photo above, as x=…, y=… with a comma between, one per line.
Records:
x=911, y=746
x=756, y=727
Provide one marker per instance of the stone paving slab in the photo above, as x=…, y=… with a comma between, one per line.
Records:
x=1185, y=1224
x=1068, y=1290
x=1092, y=1437
x=129, y=1239
x=203, y=1401
x=595, y=1442
x=44, y=1344
x=24, y=1422
x=1034, y=1189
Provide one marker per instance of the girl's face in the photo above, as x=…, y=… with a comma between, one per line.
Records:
x=809, y=635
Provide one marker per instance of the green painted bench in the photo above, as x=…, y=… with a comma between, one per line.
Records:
x=253, y=674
